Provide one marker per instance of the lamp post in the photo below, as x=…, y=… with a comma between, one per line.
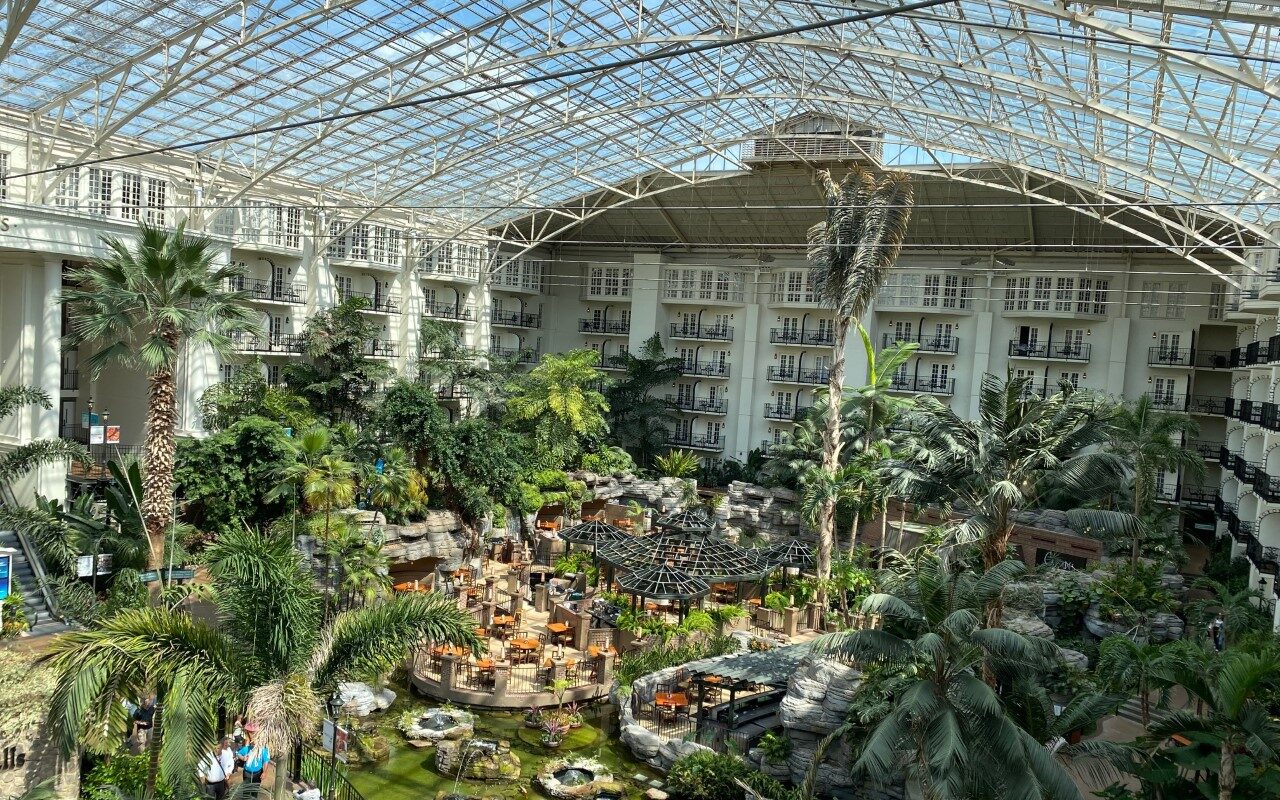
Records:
x=334, y=705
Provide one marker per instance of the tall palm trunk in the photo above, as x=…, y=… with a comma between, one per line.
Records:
x=157, y=479
x=1226, y=768
x=853, y=529
x=831, y=458
x=154, y=743
x=1135, y=550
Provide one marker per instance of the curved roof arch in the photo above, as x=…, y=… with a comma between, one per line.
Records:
x=1170, y=102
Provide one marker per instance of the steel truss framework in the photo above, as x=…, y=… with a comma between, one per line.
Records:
x=1173, y=102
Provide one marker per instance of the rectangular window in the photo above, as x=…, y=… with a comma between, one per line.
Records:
x=358, y=242
x=1101, y=293
x=1175, y=304
x=595, y=281
x=940, y=377
x=4, y=175
x=1150, y=304
x=1064, y=293
x=1217, y=299
x=932, y=291
x=157, y=200
x=902, y=331
x=67, y=193
x=942, y=335
x=951, y=296
x=1040, y=301
x=99, y=200
x=130, y=195
x=337, y=240
x=1072, y=378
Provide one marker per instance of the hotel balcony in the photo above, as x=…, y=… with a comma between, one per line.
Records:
x=722, y=333
x=606, y=327
x=788, y=336
x=927, y=344
x=717, y=407
x=923, y=385
x=515, y=319
x=1049, y=351
x=702, y=442
x=808, y=377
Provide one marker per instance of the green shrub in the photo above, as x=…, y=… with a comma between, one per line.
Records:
x=712, y=776
x=1074, y=598
x=642, y=662
x=608, y=461
x=1130, y=592
x=676, y=464
x=14, y=612
x=776, y=747
x=123, y=775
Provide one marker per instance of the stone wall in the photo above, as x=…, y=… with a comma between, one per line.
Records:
x=438, y=536
x=817, y=702
x=748, y=511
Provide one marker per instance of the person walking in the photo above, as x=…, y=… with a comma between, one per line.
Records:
x=216, y=768
x=254, y=755
x=1218, y=632
x=143, y=718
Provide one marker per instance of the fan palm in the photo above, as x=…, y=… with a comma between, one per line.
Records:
x=948, y=730
x=139, y=307
x=1019, y=447
x=558, y=399
x=849, y=256
x=269, y=649
x=1231, y=690
x=1149, y=443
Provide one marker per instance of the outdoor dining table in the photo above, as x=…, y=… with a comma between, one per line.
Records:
x=558, y=630
x=484, y=664
x=449, y=650
x=410, y=586
x=524, y=648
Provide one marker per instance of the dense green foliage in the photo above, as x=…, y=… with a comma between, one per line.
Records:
x=248, y=395
x=638, y=417
x=637, y=664
x=225, y=479
x=336, y=376
x=715, y=776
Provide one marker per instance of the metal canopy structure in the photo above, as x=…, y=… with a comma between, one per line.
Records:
x=662, y=582
x=792, y=553
x=593, y=533
x=1172, y=102
x=707, y=557
x=688, y=520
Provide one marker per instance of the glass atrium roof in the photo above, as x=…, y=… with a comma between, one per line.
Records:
x=1174, y=102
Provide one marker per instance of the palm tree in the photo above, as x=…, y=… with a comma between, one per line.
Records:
x=559, y=401
x=1149, y=442
x=322, y=475
x=269, y=649
x=1018, y=448
x=1134, y=668
x=447, y=362
x=638, y=419
x=849, y=256
x=947, y=729
x=1231, y=690
x=16, y=462
x=397, y=485
x=139, y=307
x=1242, y=611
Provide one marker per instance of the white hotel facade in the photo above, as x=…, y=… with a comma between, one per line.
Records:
x=755, y=343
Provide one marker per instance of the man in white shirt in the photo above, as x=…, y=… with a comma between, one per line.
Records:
x=306, y=791
x=216, y=767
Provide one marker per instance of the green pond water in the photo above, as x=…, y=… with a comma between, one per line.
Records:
x=410, y=773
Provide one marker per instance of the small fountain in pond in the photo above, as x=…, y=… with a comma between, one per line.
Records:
x=426, y=727
x=577, y=779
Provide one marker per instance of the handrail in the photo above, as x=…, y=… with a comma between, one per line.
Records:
x=33, y=558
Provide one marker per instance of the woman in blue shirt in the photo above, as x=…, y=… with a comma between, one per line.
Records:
x=253, y=755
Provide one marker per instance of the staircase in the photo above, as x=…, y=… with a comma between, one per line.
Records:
x=1132, y=710
x=24, y=575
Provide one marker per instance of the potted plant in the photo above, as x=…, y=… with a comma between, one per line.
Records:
x=533, y=717
x=553, y=733
x=574, y=715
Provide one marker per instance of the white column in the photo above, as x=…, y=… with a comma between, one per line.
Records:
x=42, y=338
x=646, y=292
x=980, y=335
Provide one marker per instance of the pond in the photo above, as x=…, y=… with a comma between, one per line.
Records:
x=409, y=773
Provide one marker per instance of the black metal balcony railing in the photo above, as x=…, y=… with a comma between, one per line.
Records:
x=815, y=377
x=927, y=344
x=271, y=343
x=1254, y=354
x=714, y=369
x=1226, y=458
x=714, y=333
x=1163, y=401
x=603, y=326
x=1245, y=470
x=1265, y=559
x=1238, y=357
x=1197, y=496
x=1057, y=351
x=1273, y=349
x=452, y=393
x=701, y=405
x=70, y=380
x=1213, y=359
x=380, y=348
x=1270, y=417
x=276, y=291
x=1203, y=448
x=703, y=442
x=515, y=319
x=1169, y=357
x=448, y=311
x=1208, y=404
x=789, y=336
x=784, y=411
x=1249, y=411
x=1266, y=486
x=522, y=356
x=923, y=385
x=384, y=302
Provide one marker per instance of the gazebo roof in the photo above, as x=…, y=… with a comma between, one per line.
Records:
x=708, y=557
x=661, y=582
x=593, y=532
x=772, y=667
x=793, y=553
x=689, y=520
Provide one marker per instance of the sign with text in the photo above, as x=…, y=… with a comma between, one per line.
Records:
x=6, y=565
x=97, y=434
x=113, y=434
x=334, y=739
